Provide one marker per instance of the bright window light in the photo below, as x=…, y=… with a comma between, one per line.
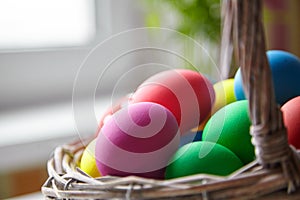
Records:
x=46, y=23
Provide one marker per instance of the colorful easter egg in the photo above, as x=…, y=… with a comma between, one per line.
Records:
x=88, y=161
x=137, y=140
x=188, y=94
x=285, y=68
x=202, y=157
x=291, y=118
x=224, y=92
x=230, y=127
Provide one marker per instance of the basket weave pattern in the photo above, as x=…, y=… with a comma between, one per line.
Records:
x=274, y=174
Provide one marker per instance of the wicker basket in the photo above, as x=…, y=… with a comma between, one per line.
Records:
x=275, y=174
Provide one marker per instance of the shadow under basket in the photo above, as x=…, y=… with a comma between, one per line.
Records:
x=275, y=174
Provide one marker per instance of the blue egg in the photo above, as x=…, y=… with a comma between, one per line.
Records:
x=238, y=86
x=190, y=137
x=285, y=68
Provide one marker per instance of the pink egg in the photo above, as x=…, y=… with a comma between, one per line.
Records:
x=186, y=93
x=137, y=140
x=291, y=118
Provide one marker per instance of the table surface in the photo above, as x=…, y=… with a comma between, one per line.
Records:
x=31, y=196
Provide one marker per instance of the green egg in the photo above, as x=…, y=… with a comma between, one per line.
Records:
x=202, y=157
x=230, y=127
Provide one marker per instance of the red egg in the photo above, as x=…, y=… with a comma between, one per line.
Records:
x=186, y=93
x=291, y=117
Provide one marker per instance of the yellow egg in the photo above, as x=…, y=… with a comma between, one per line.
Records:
x=224, y=95
x=88, y=161
x=224, y=91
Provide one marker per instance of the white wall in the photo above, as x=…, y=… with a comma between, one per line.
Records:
x=37, y=82
x=42, y=76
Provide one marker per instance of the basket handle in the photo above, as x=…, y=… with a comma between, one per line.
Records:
x=243, y=27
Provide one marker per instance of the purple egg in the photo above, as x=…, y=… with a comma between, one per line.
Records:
x=137, y=140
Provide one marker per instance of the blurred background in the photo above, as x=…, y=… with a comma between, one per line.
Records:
x=44, y=44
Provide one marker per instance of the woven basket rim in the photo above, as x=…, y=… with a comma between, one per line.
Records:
x=75, y=184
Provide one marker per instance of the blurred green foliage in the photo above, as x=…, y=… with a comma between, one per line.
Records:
x=193, y=17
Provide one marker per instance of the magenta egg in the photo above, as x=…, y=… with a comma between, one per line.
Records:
x=137, y=140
